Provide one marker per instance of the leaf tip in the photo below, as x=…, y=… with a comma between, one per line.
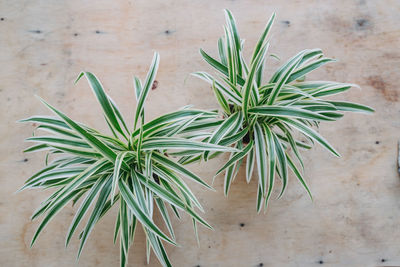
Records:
x=79, y=77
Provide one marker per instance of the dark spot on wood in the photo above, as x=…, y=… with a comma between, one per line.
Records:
x=25, y=160
x=286, y=22
x=156, y=179
x=209, y=246
x=36, y=31
x=2, y=19
x=99, y=32
x=197, y=265
x=155, y=84
x=167, y=32
x=362, y=24
x=43, y=64
x=76, y=34
x=261, y=264
x=377, y=142
x=242, y=224
x=321, y=262
x=381, y=86
x=383, y=260
x=330, y=251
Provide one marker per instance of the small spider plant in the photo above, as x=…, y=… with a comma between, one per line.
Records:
x=128, y=167
x=261, y=116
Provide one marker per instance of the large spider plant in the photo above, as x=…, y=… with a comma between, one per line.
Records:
x=130, y=167
x=262, y=115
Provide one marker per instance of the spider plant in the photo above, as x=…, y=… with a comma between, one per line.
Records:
x=128, y=167
x=265, y=117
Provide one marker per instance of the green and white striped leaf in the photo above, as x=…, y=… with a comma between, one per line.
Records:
x=103, y=99
x=250, y=165
x=147, y=85
x=133, y=205
x=312, y=134
x=181, y=143
x=286, y=111
x=272, y=146
x=261, y=156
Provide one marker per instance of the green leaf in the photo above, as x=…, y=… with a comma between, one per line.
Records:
x=273, y=147
x=170, y=198
x=280, y=152
x=221, y=99
x=308, y=68
x=49, y=140
x=101, y=201
x=138, y=87
x=286, y=111
x=119, y=116
x=227, y=128
x=174, y=179
x=250, y=165
x=164, y=213
x=235, y=157
x=35, y=148
x=139, y=213
x=286, y=72
x=47, y=120
x=308, y=55
x=218, y=66
x=181, y=143
x=171, y=117
x=58, y=130
x=124, y=232
x=63, y=196
x=312, y=134
x=221, y=51
x=259, y=198
x=263, y=37
x=233, y=32
x=178, y=168
x=248, y=86
x=261, y=156
x=103, y=100
x=353, y=107
x=52, y=212
x=231, y=95
x=147, y=85
x=292, y=143
x=298, y=175
x=116, y=175
x=229, y=175
x=231, y=139
x=231, y=56
x=91, y=140
x=140, y=143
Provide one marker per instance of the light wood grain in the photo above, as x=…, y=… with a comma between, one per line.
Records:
x=354, y=219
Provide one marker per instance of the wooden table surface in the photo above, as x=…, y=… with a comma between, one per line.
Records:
x=354, y=219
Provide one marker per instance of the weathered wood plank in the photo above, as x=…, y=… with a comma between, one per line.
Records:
x=354, y=219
